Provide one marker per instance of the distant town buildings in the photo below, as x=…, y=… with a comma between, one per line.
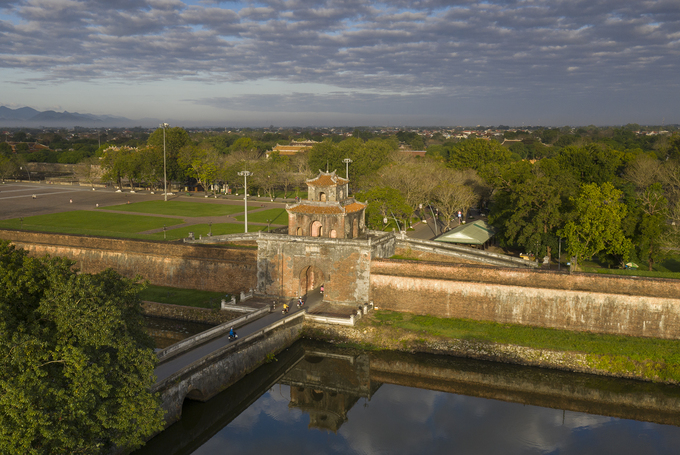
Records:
x=293, y=148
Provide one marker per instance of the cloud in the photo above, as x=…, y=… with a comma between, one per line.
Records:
x=353, y=46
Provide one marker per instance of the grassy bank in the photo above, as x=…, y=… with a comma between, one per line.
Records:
x=643, y=358
x=184, y=297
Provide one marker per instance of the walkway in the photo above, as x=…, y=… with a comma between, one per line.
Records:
x=174, y=365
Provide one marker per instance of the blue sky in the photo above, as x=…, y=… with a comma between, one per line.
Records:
x=347, y=62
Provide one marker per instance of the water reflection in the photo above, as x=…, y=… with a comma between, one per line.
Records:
x=333, y=401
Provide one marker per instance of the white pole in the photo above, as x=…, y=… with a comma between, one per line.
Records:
x=165, y=172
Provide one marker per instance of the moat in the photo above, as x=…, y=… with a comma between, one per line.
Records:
x=318, y=398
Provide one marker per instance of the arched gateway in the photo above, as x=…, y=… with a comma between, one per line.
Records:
x=311, y=277
x=326, y=244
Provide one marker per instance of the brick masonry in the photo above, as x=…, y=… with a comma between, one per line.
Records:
x=285, y=265
x=354, y=273
x=205, y=267
x=582, y=302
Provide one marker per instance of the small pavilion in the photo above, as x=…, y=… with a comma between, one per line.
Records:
x=328, y=211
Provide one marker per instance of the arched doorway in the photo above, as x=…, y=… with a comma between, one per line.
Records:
x=311, y=277
x=334, y=234
x=299, y=231
x=322, y=197
x=316, y=229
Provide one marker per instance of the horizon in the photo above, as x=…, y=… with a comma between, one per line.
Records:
x=272, y=62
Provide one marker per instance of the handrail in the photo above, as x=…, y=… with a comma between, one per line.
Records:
x=210, y=334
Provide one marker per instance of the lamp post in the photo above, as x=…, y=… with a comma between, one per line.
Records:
x=347, y=161
x=245, y=175
x=165, y=172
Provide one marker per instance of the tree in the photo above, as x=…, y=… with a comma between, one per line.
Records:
x=175, y=139
x=75, y=363
x=596, y=226
x=200, y=163
x=452, y=194
x=384, y=203
x=5, y=149
x=7, y=167
x=652, y=227
x=532, y=205
x=367, y=157
x=477, y=154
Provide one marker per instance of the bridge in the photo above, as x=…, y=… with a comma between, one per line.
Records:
x=201, y=366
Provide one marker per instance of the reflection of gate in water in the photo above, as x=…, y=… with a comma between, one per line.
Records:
x=310, y=278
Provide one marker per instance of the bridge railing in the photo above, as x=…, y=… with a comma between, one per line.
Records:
x=224, y=351
x=210, y=334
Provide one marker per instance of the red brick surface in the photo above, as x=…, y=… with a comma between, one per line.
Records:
x=205, y=267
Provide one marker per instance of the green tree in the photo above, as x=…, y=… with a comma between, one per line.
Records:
x=596, y=226
x=591, y=164
x=384, y=203
x=650, y=232
x=5, y=149
x=7, y=167
x=532, y=205
x=477, y=154
x=201, y=164
x=75, y=363
x=175, y=139
x=367, y=157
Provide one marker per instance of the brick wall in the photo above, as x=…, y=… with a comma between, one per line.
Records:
x=604, y=304
x=205, y=267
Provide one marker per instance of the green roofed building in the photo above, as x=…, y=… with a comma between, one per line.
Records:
x=476, y=234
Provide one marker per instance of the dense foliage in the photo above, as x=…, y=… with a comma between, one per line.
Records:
x=75, y=363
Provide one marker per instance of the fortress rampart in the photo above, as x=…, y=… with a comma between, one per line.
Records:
x=583, y=302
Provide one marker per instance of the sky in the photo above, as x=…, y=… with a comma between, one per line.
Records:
x=346, y=62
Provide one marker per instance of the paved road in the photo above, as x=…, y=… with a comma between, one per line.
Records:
x=170, y=367
x=16, y=200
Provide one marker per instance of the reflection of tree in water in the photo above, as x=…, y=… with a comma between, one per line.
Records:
x=327, y=385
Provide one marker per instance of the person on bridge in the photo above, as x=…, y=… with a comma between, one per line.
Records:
x=232, y=334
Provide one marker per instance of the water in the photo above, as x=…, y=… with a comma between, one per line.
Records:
x=320, y=399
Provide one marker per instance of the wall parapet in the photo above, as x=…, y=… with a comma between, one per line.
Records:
x=536, y=278
x=467, y=253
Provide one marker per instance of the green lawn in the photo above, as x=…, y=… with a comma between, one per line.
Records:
x=186, y=297
x=275, y=216
x=202, y=230
x=89, y=223
x=179, y=208
x=613, y=352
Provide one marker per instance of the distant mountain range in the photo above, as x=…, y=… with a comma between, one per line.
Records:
x=26, y=116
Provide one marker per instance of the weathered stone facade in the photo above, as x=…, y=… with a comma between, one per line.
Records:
x=582, y=302
x=290, y=266
x=206, y=267
x=328, y=211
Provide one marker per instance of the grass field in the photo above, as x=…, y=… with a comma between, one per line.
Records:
x=275, y=216
x=179, y=208
x=618, y=353
x=90, y=223
x=202, y=230
x=185, y=297
x=105, y=224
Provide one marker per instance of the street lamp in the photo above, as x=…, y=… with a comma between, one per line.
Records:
x=165, y=172
x=347, y=161
x=245, y=175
